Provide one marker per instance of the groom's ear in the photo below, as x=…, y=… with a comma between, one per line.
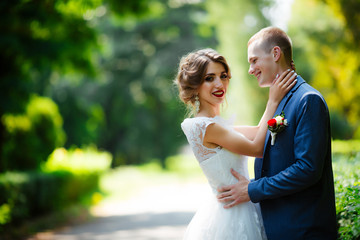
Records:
x=276, y=52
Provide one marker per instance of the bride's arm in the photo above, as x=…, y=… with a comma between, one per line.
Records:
x=237, y=143
x=250, y=131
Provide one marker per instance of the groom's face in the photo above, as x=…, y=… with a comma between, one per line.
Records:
x=262, y=64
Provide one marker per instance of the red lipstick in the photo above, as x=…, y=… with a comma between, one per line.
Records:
x=219, y=93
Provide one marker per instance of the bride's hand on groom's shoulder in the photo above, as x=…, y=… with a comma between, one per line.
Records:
x=282, y=85
x=234, y=194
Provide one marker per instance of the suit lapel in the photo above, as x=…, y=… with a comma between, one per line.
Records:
x=277, y=112
x=282, y=105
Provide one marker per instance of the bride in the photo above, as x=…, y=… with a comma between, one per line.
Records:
x=203, y=79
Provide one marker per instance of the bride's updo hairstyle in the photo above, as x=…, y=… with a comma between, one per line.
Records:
x=191, y=72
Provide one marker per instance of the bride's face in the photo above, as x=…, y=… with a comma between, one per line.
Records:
x=214, y=87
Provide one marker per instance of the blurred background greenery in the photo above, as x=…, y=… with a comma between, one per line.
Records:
x=86, y=85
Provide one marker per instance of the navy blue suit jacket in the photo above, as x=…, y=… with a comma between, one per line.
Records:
x=294, y=179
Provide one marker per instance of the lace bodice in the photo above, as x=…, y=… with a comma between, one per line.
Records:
x=194, y=129
x=215, y=162
x=212, y=221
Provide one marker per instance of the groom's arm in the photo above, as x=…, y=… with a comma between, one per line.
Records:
x=310, y=148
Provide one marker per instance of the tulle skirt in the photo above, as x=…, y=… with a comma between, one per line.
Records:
x=213, y=222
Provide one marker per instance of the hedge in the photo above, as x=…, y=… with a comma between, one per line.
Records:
x=30, y=137
x=346, y=165
x=65, y=179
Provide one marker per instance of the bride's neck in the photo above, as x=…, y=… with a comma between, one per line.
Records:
x=209, y=111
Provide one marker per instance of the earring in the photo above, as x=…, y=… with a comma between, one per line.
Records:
x=197, y=103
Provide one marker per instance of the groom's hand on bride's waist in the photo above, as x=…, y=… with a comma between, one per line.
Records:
x=236, y=193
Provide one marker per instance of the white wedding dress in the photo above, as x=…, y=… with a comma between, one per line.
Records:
x=212, y=221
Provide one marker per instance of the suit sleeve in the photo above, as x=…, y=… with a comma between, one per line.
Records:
x=310, y=147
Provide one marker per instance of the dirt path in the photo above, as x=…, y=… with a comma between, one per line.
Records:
x=161, y=212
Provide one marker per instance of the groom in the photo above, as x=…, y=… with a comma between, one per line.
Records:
x=294, y=179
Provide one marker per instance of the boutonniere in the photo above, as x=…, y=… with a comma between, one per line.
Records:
x=276, y=125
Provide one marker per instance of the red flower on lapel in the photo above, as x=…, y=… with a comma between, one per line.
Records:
x=276, y=125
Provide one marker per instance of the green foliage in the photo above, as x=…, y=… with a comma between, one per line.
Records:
x=31, y=137
x=68, y=177
x=129, y=8
x=324, y=32
x=346, y=165
x=78, y=161
x=84, y=117
x=37, y=39
x=348, y=211
x=235, y=21
x=340, y=126
x=138, y=113
x=349, y=147
x=26, y=195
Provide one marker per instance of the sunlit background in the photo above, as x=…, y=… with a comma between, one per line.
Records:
x=90, y=119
